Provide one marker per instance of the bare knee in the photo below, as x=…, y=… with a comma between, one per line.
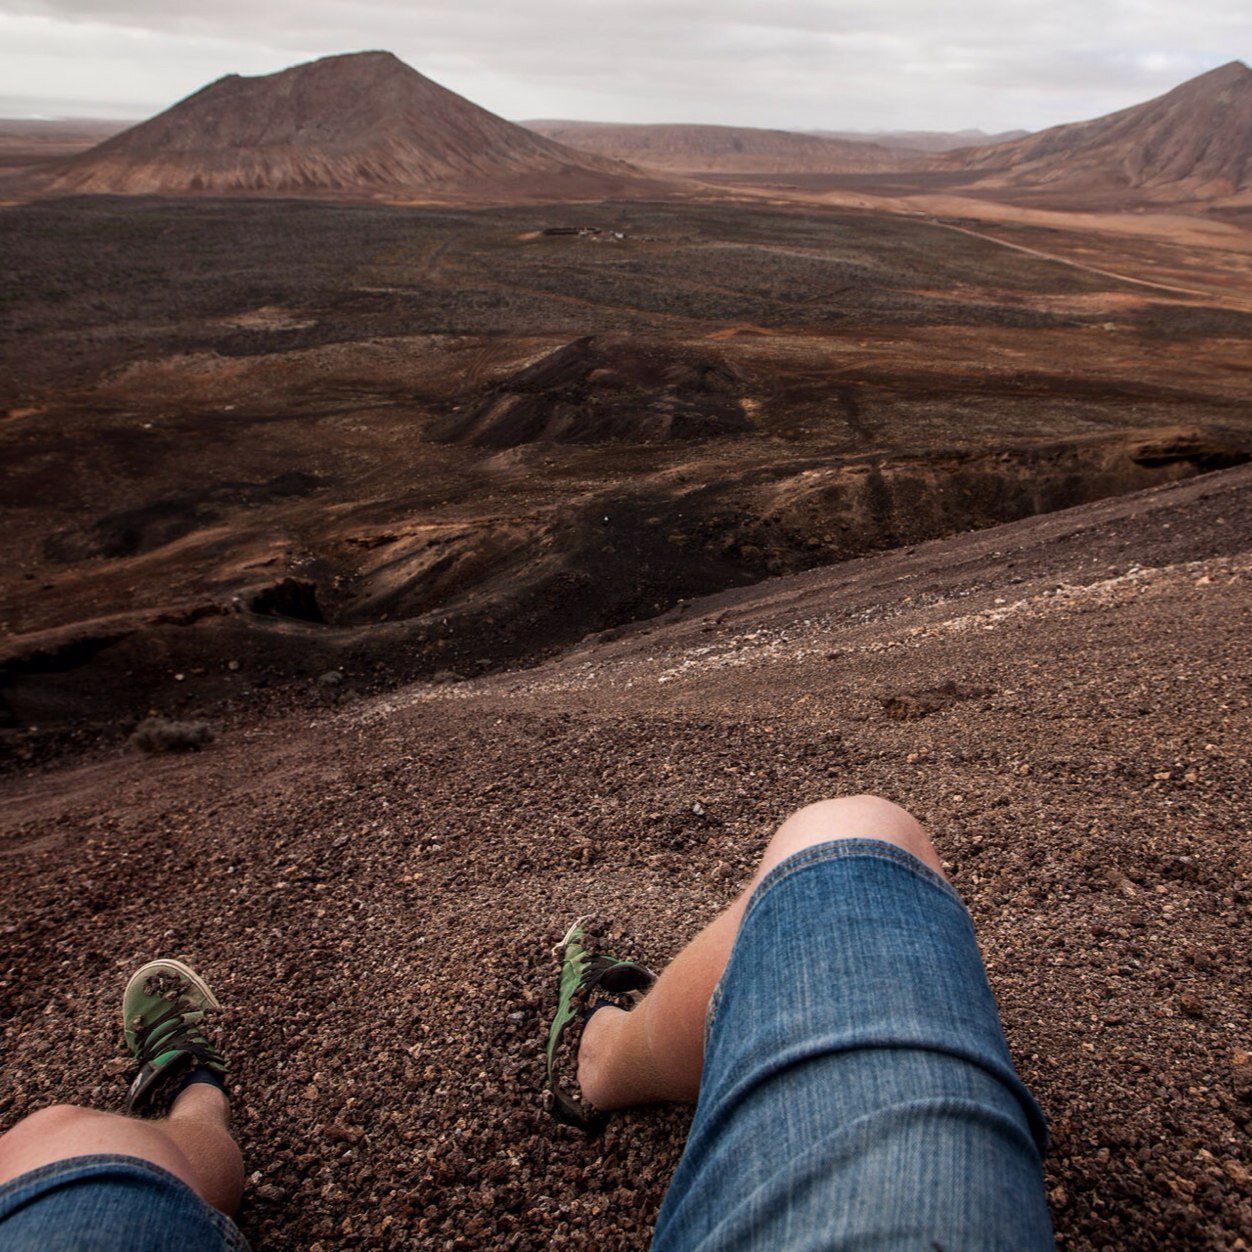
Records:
x=850, y=817
x=62, y=1131
x=52, y=1123
x=51, y=1120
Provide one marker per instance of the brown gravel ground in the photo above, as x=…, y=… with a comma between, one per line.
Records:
x=373, y=888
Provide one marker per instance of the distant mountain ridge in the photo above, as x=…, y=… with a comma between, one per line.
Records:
x=363, y=123
x=1194, y=142
x=922, y=140
x=29, y=141
x=694, y=148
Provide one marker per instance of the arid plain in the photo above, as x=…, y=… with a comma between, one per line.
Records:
x=531, y=559
x=232, y=428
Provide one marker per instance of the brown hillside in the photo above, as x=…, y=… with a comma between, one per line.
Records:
x=1193, y=143
x=364, y=123
x=722, y=149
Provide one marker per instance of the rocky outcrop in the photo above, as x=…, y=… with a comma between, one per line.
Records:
x=607, y=387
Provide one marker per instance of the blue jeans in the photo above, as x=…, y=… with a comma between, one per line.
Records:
x=857, y=1091
x=107, y=1203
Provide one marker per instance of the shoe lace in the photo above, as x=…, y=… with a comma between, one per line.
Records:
x=151, y=1041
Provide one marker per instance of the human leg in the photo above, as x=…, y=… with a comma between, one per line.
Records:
x=75, y=1178
x=857, y=1090
x=655, y=1051
x=193, y=1143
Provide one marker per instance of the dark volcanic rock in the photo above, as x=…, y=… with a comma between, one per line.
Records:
x=908, y=706
x=603, y=387
x=156, y=735
x=292, y=597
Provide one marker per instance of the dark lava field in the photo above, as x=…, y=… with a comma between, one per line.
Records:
x=259, y=451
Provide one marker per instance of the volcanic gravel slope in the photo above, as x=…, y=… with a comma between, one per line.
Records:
x=373, y=890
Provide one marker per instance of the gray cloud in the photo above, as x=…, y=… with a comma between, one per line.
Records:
x=799, y=63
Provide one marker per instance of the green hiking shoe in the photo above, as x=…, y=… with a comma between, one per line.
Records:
x=162, y=1008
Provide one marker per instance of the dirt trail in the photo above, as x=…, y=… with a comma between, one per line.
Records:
x=373, y=889
x=1221, y=297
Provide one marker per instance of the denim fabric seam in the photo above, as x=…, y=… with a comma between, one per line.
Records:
x=833, y=849
x=816, y=854
x=88, y=1161
x=76, y=1168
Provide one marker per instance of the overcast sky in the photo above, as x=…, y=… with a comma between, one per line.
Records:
x=837, y=64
